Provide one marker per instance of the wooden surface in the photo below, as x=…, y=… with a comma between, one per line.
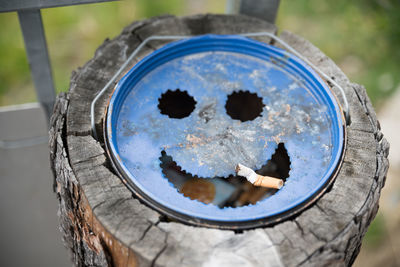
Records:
x=103, y=224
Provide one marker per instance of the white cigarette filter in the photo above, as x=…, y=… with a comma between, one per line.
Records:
x=258, y=180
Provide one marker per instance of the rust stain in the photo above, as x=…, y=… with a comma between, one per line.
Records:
x=271, y=116
x=277, y=138
x=298, y=128
x=287, y=106
x=193, y=139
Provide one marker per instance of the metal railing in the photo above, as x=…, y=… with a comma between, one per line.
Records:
x=30, y=19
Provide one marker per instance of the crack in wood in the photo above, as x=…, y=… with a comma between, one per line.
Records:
x=145, y=232
x=161, y=251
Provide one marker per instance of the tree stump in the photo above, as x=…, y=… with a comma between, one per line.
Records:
x=103, y=224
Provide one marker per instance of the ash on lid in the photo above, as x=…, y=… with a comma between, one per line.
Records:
x=207, y=142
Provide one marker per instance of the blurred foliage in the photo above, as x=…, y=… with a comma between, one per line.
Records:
x=361, y=36
x=376, y=232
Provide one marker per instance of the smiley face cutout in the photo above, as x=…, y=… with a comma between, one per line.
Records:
x=208, y=111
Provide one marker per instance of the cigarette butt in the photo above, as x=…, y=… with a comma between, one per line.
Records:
x=258, y=180
x=269, y=182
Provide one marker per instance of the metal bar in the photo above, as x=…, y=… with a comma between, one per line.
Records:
x=36, y=49
x=346, y=110
x=262, y=9
x=17, y=5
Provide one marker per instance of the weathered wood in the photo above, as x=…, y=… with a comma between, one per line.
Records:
x=103, y=224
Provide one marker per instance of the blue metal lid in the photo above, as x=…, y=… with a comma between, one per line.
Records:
x=204, y=139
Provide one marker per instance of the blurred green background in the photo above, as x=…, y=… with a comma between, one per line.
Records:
x=362, y=37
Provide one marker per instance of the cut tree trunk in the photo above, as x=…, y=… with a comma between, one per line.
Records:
x=103, y=224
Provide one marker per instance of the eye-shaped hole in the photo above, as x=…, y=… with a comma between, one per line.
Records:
x=176, y=104
x=244, y=106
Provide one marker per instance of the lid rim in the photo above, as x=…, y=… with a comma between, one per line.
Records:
x=161, y=55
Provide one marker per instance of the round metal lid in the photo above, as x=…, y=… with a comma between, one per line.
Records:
x=206, y=140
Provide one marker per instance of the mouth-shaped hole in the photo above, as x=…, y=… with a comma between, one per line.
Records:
x=176, y=104
x=244, y=106
x=232, y=191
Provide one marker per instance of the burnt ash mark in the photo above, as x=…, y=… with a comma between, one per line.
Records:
x=207, y=112
x=245, y=193
x=244, y=106
x=176, y=104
